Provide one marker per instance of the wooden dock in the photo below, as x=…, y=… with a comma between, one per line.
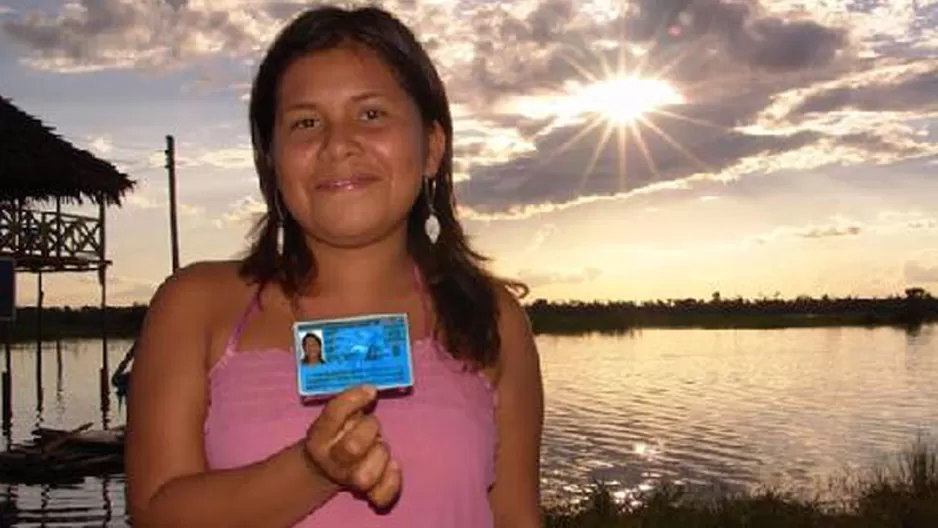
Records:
x=63, y=456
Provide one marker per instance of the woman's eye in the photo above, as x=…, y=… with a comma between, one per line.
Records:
x=372, y=113
x=307, y=122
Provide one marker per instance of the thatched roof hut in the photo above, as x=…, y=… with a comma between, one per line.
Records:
x=38, y=165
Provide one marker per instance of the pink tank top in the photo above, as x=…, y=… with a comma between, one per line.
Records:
x=443, y=434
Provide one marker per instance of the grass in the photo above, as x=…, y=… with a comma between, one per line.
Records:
x=899, y=495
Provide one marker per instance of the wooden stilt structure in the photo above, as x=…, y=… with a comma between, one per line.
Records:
x=39, y=169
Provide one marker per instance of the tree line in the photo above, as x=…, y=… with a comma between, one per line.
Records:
x=914, y=308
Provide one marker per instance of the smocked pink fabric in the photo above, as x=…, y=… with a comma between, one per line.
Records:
x=443, y=434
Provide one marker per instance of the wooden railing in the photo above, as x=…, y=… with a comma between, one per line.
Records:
x=49, y=235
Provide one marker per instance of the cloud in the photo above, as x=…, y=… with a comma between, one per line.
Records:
x=541, y=236
x=746, y=31
x=90, y=35
x=241, y=213
x=906, y=220
x=829, y=231
x=749, y=77
x=839, y=227
x=539, y=278
x=122, y=289
x=102, y=146
x=228, y=158
x=569, y=163
x=764, y=85
x=142, y=201
x=150, y=197
x=886, y=223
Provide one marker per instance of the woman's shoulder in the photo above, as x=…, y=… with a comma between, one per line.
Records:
x=512, y=316
x=202, y=284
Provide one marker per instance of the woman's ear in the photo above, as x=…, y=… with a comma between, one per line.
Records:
x=436, y=147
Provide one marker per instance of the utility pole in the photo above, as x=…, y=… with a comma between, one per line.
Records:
x=173, y=229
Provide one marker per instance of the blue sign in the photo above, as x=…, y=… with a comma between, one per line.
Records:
x=338, y=354
x=7, y=289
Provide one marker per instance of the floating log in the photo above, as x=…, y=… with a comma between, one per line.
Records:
x=58, y=456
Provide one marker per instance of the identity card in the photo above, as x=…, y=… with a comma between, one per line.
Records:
x=337, y=354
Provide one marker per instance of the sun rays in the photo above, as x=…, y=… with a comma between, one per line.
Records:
x=619, y=103
x=622, y=100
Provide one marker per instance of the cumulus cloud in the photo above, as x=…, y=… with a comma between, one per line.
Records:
x=764, y=85
x=89, y=35
x=765, y=91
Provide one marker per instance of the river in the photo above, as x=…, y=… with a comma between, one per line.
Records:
x=715, y=410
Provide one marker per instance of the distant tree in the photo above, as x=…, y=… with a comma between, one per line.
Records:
x=916, y=293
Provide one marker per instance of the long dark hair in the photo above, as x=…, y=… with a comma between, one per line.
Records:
x=464, y=293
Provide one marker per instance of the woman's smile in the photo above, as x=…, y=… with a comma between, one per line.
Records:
x=348, y=183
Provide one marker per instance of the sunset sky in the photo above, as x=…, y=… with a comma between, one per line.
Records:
x=605, y=149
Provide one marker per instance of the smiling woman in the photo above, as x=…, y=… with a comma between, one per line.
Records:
x=352, y=137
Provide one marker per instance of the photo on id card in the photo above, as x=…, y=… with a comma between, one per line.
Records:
x=333, y=355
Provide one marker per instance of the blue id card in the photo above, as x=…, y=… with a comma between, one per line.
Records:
x=337, y=354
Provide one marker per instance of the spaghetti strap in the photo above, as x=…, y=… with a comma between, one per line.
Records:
x=235, y=336
x=424, y=293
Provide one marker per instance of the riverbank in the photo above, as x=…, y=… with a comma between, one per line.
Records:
x=899, y=495
x=902, y=495
x=911, y=311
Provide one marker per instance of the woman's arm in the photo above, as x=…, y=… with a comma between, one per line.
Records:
x=520, y=414
x=168, y=484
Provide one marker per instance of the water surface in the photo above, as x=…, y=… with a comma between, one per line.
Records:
x=713, y=409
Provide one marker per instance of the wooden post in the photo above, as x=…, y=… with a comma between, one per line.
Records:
x=58, y=227
x=39, y=304
x=7, y=384
x=104, y=375
x=173, y=228
x=58, y=366
x=39, y=310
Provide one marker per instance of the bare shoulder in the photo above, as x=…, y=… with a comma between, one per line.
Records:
x=167, y=400
x=198, y=297
x=518, y=348
x=520, y=414
x=511, y=312
x=199, y=286
x=203, y=278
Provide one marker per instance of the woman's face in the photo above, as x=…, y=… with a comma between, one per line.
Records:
x=349, y=148
x=312, y=349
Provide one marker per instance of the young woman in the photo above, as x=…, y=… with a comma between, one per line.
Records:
x=353, y=146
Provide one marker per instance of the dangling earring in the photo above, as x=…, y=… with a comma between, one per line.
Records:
x=280, y=223
x=432, y=224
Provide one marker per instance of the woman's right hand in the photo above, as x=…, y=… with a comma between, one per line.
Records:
x=344, y=443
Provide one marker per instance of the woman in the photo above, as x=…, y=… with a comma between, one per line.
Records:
x=353, y=147
x=312, y=349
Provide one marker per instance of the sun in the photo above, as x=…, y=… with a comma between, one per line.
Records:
x=625, y=99
x=610, y=110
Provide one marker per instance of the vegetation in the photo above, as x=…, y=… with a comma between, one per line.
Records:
x=71, y=323
x=915, y=308
x=902, y=495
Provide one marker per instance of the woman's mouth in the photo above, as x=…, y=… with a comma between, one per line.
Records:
x=346, y=184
